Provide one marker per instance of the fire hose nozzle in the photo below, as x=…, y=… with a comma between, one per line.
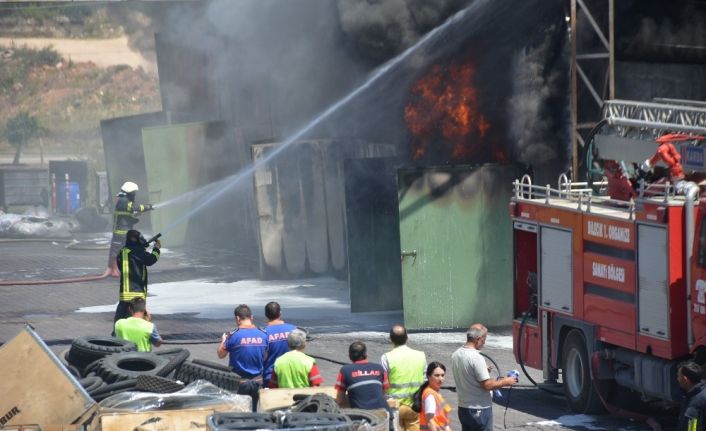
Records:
x=153, y=239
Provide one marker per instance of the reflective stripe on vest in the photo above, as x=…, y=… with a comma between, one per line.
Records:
x=363, y=383
x=442, y=411
x=405, y=373
x=293, y=369
x=693, y=424
x=126, y=294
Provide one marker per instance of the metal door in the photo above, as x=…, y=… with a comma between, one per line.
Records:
x=373, y=235
x=652, y=287
x=456, y=245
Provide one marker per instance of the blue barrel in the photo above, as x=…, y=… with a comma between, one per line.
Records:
x=74, y=195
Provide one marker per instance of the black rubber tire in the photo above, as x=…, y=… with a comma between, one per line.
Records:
x=117, y=386
x=130, y=365
x=579, y=390
x=242, y=421
x=91, y=383
x=214, y=365
x=317, y=403
x=85, y=350
x=318, y=420
x=91, y=368
x=359, y=416
x=176, y=357
x=157, y=385
x=190, y=372
x=73, y=370
x=98, y=389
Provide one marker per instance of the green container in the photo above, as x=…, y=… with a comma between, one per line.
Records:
x=456, y=245
x=172, y=157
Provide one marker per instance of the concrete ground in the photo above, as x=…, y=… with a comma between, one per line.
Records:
x=192, y=302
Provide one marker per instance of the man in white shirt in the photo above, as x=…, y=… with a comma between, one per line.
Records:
x=473, y=383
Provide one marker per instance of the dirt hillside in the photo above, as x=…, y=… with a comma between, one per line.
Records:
x=69, y=97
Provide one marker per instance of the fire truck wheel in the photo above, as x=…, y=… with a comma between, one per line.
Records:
x=576, y=368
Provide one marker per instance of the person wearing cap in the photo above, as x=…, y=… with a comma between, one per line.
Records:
x=132, y=262
x=124, y=218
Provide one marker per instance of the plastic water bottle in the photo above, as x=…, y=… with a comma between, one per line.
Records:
x=497, y=394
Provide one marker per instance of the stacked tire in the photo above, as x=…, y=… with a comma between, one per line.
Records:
x=107, y=365
x=218, y=374
x=88, y=349
x=129, y=365
x=280, y=420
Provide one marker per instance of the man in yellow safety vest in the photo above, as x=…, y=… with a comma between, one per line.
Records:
x=405, y=370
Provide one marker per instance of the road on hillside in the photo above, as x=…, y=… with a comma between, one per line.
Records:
x=102, y=52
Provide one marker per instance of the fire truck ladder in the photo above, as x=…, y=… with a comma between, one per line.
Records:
x=628, y=130
x=656, y=118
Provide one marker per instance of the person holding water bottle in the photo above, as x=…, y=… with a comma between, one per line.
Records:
x=473, y=382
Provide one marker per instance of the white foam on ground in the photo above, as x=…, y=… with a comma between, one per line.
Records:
x=493, y=341
x=209, y=300
x=584, y=421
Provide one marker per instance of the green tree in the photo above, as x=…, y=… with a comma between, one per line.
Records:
x=19, y=130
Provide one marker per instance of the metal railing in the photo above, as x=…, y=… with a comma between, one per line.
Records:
x=584, y=196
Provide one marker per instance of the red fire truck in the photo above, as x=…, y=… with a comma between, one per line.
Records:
x=610, y=277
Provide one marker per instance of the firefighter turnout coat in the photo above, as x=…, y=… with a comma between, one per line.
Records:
x=124, y=215
x=133, y=261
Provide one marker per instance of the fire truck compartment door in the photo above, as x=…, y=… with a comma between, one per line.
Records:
x=556, y=269
x=653, y=290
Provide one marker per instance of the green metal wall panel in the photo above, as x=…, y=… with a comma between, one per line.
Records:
x=455, y=238
x=172, y=158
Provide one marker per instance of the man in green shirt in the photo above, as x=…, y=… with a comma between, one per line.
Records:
x=138, y=328
x=295, y=369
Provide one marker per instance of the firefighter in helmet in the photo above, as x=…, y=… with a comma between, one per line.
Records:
x=124, y=218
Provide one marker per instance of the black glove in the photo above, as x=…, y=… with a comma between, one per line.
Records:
x=641, y=174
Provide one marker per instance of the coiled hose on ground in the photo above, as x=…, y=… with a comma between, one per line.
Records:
x=71, y=244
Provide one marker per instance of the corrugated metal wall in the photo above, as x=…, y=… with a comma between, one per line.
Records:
x=301, y=205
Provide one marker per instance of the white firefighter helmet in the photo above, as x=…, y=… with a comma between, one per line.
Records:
x=129, y=187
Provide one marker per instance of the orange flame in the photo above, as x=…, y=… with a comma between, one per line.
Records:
x=444, y=105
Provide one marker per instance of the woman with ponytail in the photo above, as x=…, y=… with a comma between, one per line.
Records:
x=433, y=410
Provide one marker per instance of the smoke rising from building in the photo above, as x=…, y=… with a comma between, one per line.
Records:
x=673, y=31
x=540, y=88
x=381, y=29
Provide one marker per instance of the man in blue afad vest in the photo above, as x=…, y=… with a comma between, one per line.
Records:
x=277, y=333
x=247, y=347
